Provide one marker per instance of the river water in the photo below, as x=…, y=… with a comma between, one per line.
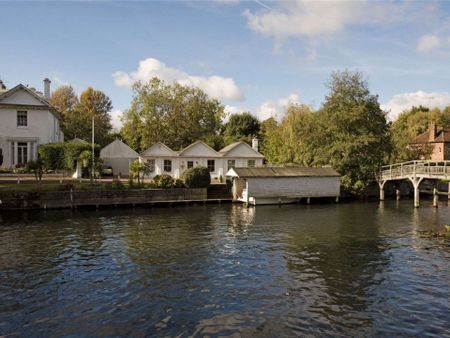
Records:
x=356, y=269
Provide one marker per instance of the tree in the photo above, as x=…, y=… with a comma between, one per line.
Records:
x=174, y=114
x=405, y=128
x=139, y=170
x=270, y=140
x=64, y=99
x=241, y=127
x=353, y=131
x=78, y=113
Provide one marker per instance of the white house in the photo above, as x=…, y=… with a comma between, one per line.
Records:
x=270, y=185
x=27, y=121
x=163, y=160
x=118, y=156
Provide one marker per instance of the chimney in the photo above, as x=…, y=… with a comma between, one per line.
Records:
x=255, y=144
x=47, y=88
x=432, y=131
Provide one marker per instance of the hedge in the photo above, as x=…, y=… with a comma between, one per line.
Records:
x=197, y=177
x=62, y=156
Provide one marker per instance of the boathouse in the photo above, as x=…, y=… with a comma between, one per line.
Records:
x=118, y=156
x=270, y=185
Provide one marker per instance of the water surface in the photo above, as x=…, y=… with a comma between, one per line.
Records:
x=358, y=269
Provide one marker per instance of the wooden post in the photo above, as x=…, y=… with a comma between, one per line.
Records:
x=337, y=199
x=308, y=200
x=397, y=194
x=416, y=196
x=448, y=192
x=435, y=198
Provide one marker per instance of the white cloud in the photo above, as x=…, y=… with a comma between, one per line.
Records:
x=305, y=18
x=59, y=81
x=215, y=86
x=115, y=119
x=401, y=102
x=276, y=109
x=428, y=43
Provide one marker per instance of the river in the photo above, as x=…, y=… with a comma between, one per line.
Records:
x=350, y=269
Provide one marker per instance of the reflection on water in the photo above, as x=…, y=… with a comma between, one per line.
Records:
x=339, y=270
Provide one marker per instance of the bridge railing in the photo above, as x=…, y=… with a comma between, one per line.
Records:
x=438, y=169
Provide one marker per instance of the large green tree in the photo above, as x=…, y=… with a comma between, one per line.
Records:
x=93, y=104
x=241, y=127
x=77, y=113
x=354, y=131
x=173, y=114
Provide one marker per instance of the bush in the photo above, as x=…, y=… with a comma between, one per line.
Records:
x=37, y=168
x=197, y=177
x=63, y=155
x=178, y=183
x=164, y=181
x=116, y=184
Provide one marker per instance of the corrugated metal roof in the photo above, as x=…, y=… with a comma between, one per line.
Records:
x=285, y=172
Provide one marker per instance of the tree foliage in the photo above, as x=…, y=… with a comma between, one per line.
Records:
x=77, y=113
x=173, y=114
x=241, y=127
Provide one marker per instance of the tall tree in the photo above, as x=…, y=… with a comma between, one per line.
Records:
x=270, y=140
x=241, y=127
x=93, y=104
x=173, y=114
x=354, y=130
x=64, y=99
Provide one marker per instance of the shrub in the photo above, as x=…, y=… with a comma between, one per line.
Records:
x=61, y=156
x=37, y=168
x=163, y=181
x=197, y=177
x=178, y=183
x=116, y=184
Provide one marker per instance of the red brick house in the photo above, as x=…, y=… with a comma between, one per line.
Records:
x=435, y=142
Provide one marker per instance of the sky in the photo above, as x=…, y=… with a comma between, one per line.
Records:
x=257, y=56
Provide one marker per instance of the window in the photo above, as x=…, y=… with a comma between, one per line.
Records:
x=22, y=118
x=167, y=166
x=231, y=164
x=22, y=153
x=151, y=165
x=251, y=163
x=190, y=164
x=211, y=165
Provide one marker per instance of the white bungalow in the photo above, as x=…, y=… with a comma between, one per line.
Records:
x=163, y=160
x=270, y=185
x=118, y=156
x=27, y=121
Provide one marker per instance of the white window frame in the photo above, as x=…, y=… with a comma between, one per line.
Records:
x=167, y=163
x=22, y=117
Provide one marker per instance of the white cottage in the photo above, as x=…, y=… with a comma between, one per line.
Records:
x=163, y=160
x=283, y=185
x=119, y=157
x=27, y=121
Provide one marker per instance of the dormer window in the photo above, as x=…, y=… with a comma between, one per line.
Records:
x=22, y=118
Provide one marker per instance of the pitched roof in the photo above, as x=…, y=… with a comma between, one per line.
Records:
x=118, y=149
x=196, y=143
x=78, y=141
x=229, y=148
x=442, y=135
x=165, y=150
x=34, y=94
x=283, y=172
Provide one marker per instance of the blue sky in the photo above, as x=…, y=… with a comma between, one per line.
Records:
x=252, y=55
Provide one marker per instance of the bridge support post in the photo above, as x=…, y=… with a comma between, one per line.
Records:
x=435, y=198
x=397, y=194
x=416, y=182
x=381, y=184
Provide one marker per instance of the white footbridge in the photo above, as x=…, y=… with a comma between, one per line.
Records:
x=416, y=172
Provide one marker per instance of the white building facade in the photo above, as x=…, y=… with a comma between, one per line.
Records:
x=27, y=120
x=163, y=160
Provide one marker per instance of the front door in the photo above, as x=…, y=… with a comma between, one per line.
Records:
x=22, y=153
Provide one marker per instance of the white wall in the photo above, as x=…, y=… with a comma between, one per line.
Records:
x=42, y=125
x=294, y=186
